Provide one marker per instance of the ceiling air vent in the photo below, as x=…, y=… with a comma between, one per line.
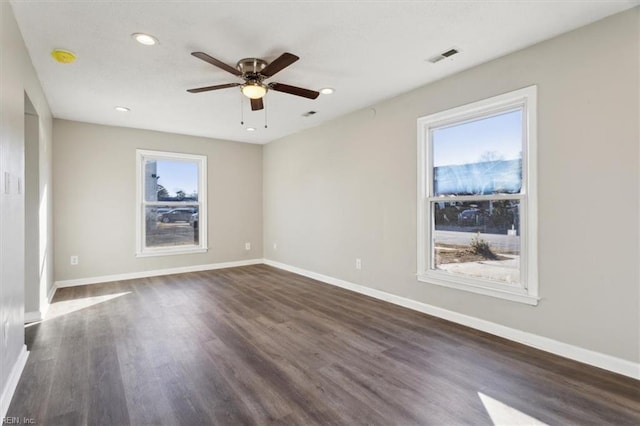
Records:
x=443, y=55
x=308, y=113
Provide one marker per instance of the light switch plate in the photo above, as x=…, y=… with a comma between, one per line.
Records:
x=7, y=183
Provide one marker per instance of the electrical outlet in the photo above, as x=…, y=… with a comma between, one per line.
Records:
x=247, y=246
x=358, y=264
x=75, y=260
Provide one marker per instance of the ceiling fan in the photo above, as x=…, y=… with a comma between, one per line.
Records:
x=254, y=72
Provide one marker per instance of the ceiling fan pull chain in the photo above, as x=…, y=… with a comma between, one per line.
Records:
x=265, y=115
x=241, y=112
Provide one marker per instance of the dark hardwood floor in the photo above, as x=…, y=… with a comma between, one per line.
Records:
x=256, y=345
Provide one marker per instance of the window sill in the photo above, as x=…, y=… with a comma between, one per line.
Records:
x=172, y=252
x=513, y=294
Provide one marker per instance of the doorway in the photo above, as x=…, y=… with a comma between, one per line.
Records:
x=32, y=265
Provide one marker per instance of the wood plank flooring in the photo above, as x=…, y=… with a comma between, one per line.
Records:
x=256, y=346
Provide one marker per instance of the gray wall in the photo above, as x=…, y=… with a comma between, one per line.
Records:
x=347, y=189
x=18, y=77
x=94, y=199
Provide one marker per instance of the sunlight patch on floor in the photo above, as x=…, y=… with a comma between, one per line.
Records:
x=503, y=415
x=63, y=307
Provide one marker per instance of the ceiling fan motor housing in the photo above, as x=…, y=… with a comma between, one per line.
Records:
x=251, y=67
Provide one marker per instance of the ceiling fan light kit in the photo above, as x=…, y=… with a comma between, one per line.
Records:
x=254, y=71
x=253, y=90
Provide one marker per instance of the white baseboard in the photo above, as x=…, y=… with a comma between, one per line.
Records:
x=52, y=292
x=50, y=295
x=12, y=382
x=576, y=353
x=33, y=316
x=156, y=273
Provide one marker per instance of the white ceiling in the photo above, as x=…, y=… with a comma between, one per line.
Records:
x=367, y=50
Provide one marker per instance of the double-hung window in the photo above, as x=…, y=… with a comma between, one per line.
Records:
x=171, y=211
x=477, y=197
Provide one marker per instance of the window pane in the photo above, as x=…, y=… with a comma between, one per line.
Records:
x=478, y=239
x=171, y=180
x=167, y=226
x=479, y=157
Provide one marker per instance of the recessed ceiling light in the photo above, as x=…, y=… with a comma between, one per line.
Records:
x=251, y=129
x=122, y=109
x=146, y=39
x=327, y=90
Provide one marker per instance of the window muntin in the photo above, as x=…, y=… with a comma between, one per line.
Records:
x=171, y=197
x=476, y=197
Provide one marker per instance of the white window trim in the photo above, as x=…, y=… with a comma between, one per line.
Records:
x=141, y=250
x=527, y=290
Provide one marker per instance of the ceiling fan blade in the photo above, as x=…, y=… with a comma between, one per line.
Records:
x=217, y=87
x=216, y=63
x=279, y=64
x=293, y=90
x=256, y=104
